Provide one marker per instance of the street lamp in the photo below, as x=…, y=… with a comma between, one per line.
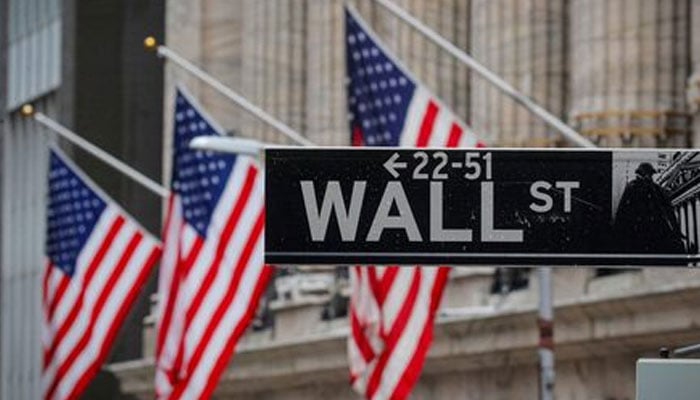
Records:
x=248, y=147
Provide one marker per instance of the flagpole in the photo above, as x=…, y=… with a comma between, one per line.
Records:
x=480, y=69
x=148, y=183
x=164, y=51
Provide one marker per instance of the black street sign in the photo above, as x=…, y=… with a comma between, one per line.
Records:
x=500, y=207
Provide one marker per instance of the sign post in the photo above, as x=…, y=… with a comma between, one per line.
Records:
x=497, y=207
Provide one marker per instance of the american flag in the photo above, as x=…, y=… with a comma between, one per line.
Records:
x=392, y=308
x=212, y=274
x=98, y=259
x=389, y=107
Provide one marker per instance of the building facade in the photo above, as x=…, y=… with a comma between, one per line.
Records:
x=82, y=64
x=623, y=73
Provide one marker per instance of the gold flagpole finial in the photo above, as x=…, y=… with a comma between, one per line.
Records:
x=150, y=43
x=27, y=110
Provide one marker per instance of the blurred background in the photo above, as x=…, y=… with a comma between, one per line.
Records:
x=624, y=73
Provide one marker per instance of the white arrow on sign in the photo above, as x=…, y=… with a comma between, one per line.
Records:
x=392, y=165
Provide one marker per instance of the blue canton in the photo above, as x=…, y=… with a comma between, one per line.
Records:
x=199, y=177
x=379, y=92
x=73, y=211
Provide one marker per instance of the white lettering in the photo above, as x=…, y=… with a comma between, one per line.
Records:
x=394, y=194
x=488, y=232
x=437, y=231
x=568, y=186
x=537, y=191
x=333, y=199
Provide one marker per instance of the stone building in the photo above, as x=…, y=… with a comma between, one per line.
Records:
x=623, y=73
x=82, y=64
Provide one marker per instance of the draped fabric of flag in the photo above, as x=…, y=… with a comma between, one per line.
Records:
x=392, y=308
x=98, y=259
x=212, y=274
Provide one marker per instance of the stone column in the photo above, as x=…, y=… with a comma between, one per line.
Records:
x=222, y=56
x=696, y=207
x=298, y=67
x=247, y=65
x=314, y=76
x=266, y=18
x=694, y=81
x=338, y=98
x=325, y=76
x=522, y=41
x=253, y=63
x=274, y=76
x=270, y=67
x=690, y=233
x=629, y=64
x=683, y=217
x=461, y=24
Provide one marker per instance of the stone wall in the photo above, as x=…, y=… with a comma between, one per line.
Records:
x=602, y=325
x=285, y=57
x=523, y=42
x=628, y=69
x=281, y=55
x=324, y=67
x=619, y=71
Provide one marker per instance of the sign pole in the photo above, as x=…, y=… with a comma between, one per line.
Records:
x=545, y=323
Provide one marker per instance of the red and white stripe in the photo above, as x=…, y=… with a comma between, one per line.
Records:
x=82, y=314
x=392, y=313
x=210, y=287
x=429, y=123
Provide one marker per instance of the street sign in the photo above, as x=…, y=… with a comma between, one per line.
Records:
x=467, y=206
